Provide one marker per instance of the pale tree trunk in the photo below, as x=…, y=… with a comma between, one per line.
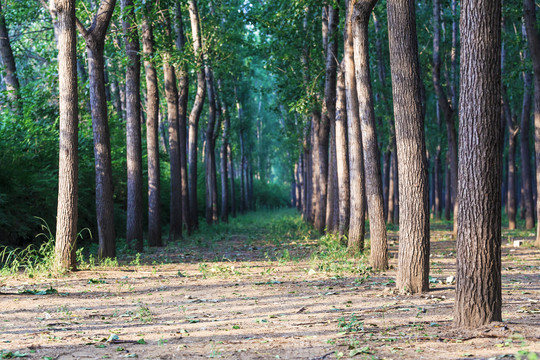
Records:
x=478, y=262
x=392, y=182
x=373, y=178
x=8, y=62
x=134, y=228
x=195, y=114
x=152, y=139
x=171, y=95
x=224, y=157
x=329, y=114
x=66, y=219
x=356, y=158
x=413, y=262
x=183, y=91
x=95, y=43
x=211, y=210
x=445, y=105
x=342, y=157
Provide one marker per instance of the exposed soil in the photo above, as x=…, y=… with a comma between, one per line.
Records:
x=242, y=297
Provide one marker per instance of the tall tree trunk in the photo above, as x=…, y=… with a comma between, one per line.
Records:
x=373, y=182
x=342, y=151
x=66, y=219
x=134, y=226
x=478, y=281
x=224, y=156
x=356, y=158
x=95, y=43
x=210, y=151
x=392, y=187
x=527, y=198
x=195, y=114
x=183, y=92
x=8, y=61
x=171, y=94
x=232, y=175
x=152, y=128
x=413, y=264
x=445, y=105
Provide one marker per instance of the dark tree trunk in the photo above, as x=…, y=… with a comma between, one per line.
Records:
x=183, y=91
x=392, y=187
x=232, y=175
x=527, y=199
x=533, y=37
x=447, y=190
x=195, y=114
x=211, y=210
x=8, y=61
x=171, y=94
x=66, y=219
x=478, y=287
x=224, y=157
x=95, y=43
x=373, y=178
x=342, y=151
x=134, y=226
x=356, y=158
x=413, y=264
x=437, y=201
x=152, y=138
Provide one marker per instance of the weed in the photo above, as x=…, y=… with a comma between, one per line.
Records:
x=351, y=325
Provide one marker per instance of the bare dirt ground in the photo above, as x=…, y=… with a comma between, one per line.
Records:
x=243, y=296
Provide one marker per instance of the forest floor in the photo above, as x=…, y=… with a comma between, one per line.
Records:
x=263, y=287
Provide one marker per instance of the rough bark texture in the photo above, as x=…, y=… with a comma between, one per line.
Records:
x=211, y=210
x=171, y=94
x=224, y=157
x=478, y=281
x=66, y=219
x=134, y=228
x=195, y=114
x=356, y=158
x=8, y=61
x=527, y=198
x=95, y=43
x=533, y=37
x=373, y=177
x=152, y=139
x=342, y=151
x=413, y=263
x=183, y=91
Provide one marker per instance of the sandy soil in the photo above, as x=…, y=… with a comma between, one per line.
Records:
x=241, y=300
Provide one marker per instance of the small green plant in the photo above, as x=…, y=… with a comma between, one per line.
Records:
x=351, y=325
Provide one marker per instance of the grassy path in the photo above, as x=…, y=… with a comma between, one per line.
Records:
x=262, y=287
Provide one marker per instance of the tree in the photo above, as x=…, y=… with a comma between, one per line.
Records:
x=224, y=157
x=195, y=113
x=66, y=219
x=373, y=178
x=533, y=37
x=152, y=125
x=94, y=37
x=134, y=231
x=8, y=63
x=413, y=263
x=211, y=210
x=342, y=151
x=478, y=280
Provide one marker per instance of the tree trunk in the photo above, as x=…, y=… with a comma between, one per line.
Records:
x=224, y=157
x=342, y=151
x=66, y=219
x=478, y=280
x=233, y=190
x=392, y=182
x=183, y=91
x=171, y=94
x=134, y=226
x=356, y=158
x=373, y=178
x=95, y=43
x=152, y=138
x=8, y=61
x=211, y=210
x=527, y=199
x=413, y=264
x=195, y=114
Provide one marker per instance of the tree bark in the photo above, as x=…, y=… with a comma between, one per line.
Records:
x=183, y=92
x=95, y=43
x=527, y=198
x=134, y=226
x=224, y=157
x=413, y=263
x=342, y=151
x=211, y=210
x=152, y=138
x=171, y=95
x=373, y=177
x=356, y=158
x=195, y=114
x=232, y=176
x=66, y=219
x=8, y=62
x=478, y=280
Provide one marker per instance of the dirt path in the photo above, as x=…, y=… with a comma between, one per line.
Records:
x=262, y=289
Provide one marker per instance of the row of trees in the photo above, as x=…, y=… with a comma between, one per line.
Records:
x=339, y=174
x=192, y=107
